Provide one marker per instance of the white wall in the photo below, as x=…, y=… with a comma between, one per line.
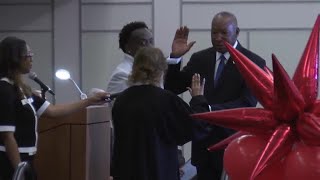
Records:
x=82, y=35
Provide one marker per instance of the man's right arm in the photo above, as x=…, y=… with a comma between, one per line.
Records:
x=177, y=81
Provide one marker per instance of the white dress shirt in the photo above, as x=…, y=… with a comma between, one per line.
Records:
x=226, y=55
x=118, y=81
x=119, y=78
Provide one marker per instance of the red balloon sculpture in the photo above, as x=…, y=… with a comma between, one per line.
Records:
x=282, y=140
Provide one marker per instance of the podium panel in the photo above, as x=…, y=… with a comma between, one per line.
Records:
x=75, y=147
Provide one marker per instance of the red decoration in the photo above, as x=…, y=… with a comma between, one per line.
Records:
x=303, y=163
x=286, y=140
x=242, y=154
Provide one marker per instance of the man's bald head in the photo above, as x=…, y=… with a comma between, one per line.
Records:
x=224, y=27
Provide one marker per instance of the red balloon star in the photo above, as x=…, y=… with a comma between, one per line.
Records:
x=291, y=112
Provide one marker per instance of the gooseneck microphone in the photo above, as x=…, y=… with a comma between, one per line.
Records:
x=33, y=76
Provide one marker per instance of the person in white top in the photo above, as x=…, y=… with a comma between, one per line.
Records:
x=132, y=37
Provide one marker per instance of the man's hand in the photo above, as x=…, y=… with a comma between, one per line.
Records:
x=197, y=88
x=180, y=44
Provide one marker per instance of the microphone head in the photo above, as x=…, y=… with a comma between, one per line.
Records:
x=32, y=75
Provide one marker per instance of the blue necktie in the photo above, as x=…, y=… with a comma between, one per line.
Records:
x=220, y=69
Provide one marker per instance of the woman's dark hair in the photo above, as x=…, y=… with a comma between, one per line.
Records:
x=126, y=31
x=12, y=50
x=148, y=66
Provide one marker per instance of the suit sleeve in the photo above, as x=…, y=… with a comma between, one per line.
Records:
x=177, y=81
x=199, y=104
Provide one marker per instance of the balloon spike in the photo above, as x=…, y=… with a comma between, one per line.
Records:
x=288, y=101
x=279, y=144
x=245, y=119
x=259, y=82
x=306, y=74
x=224, y=143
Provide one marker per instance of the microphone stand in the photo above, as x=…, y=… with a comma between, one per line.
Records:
x=82, y=95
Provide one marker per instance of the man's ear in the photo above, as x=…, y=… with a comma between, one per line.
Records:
x=237, y=31
x=127, y=48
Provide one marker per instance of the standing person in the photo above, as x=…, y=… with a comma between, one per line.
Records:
x=131, y=37
x=134, y=36
x=149, y=123
x=225, y=88
x=20, y=108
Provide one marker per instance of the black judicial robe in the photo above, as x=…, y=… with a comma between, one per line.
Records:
x=149, y=123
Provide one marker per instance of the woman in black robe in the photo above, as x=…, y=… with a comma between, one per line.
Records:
x=149, y=123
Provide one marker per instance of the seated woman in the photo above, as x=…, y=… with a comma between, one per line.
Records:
x=20, y=108
x=149, y=123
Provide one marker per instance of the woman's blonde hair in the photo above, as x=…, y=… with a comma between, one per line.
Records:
x=148, y=67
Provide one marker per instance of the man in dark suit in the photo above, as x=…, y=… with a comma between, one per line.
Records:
x=225, y=88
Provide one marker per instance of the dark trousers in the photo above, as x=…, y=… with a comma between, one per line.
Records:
x=211, y=169
x=7, y=171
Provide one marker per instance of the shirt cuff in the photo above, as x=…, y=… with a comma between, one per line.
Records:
x=7, y=128
x=44, y=106
x=173, y=60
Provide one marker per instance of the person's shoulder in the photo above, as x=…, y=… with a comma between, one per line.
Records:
x=167, y=92
x=253, y=56
x=149, y=90
x=5, y=84
x=122, y=68
x=121, y=72
x=202, y=55
x=6, y=88
x=170, y=95
x=119, y=75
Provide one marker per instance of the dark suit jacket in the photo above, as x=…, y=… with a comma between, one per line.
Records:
x=231, y=92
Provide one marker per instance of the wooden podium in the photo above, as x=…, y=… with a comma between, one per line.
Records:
x=76, y=147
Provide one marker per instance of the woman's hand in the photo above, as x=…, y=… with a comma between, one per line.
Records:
x=197, y=88
x=98, y=98
x=59, y=110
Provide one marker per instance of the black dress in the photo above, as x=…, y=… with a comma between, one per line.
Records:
x=18, y=115
x=149, y=124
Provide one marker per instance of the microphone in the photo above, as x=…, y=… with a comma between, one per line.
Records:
x=115, y=95
x=33, y=76
x=108, y=99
